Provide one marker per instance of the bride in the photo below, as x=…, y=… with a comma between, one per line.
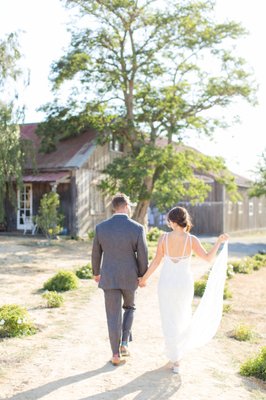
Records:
x=182, y=331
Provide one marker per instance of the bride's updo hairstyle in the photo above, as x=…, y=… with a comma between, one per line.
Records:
x=181, y=217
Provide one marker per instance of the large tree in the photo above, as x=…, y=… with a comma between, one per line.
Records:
x=142, y=71
x=13, y=150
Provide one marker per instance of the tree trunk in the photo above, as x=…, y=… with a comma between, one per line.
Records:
x=140, y=212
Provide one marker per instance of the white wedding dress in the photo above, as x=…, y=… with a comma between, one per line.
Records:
x=183, y=331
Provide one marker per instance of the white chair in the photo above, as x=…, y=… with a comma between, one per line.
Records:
x=28, y=225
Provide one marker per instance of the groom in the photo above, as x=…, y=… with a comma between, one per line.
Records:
x=119, y=257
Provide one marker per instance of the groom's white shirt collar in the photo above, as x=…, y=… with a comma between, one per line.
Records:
x=120, y=214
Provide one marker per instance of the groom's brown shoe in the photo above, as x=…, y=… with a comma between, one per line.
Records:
x=116, y=360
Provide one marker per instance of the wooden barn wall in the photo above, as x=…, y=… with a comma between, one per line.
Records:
x=207, y=217
x=64, y=191
x=247, y=214
x=91, y=206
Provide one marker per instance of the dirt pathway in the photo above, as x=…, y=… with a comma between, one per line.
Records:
x=69, y=360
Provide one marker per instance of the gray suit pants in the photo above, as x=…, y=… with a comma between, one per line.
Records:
x=119, y=327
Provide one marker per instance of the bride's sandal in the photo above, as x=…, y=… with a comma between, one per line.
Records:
x=176, y=368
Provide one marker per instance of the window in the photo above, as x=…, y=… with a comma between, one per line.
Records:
x=115, y=145
x=250, y=208
x=240, y=207
x=260, y=208
x=162, y=219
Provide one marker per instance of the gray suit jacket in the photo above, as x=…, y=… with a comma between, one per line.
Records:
x=119, y=253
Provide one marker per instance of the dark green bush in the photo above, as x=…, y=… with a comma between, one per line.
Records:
x=61, y=282
x=255, y=366
x=85, y=272
x=15, y=321
x=53, y=299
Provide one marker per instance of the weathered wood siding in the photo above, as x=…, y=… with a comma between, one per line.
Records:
x=218, y=214
x=247, y=214
x=91, y=206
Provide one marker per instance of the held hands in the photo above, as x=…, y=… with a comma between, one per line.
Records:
x=223, y=238
x=97, y=278
x=142, y=282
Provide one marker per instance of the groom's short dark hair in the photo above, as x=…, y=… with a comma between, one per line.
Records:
x=120, y=200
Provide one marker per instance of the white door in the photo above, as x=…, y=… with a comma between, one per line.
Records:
x=24, y=214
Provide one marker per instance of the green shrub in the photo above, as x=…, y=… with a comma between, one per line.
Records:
x=255, y=366
x=91, y=234
x=53, y=299
x=154, y=234
x=261, y=258
x=244, y=266
x=15, y=321
x=227, y=308
x=242, y=333
x=230, y=271
x=85, y=272
x=227, y=293
x=199, y=287
x=48, y=218
x=61, y=282
x=235, y=265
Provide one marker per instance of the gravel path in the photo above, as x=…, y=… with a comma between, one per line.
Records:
x=72, y=363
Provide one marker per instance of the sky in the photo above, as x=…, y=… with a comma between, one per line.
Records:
x=44, y=37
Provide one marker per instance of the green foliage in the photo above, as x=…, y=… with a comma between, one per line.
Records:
x=227, y=308
x=53, y=299
x=242, y=333
x=154, y=234
x=200, y=285
x=142, y=65
x=48, y=218
x=152, y=248
x=91, y=234
x=247, y=264
x=230, y=271
x=227, y=292
x=85, y=272
x=9, y=57
x=15, y=321
x=255, y=366
x=260, y=261
x=259, y=187
x=14, y=151
x=61, y=282
x=168, y=170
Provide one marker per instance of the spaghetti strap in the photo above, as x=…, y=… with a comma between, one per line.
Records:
x=185, y=246
x=190, y=244
x=166, y=245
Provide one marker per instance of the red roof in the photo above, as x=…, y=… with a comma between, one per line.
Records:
x=70, y=153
